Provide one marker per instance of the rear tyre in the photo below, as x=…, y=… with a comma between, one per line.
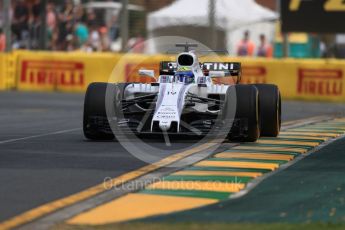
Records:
x=246, y=125
x=270, y=109
x=95, y=107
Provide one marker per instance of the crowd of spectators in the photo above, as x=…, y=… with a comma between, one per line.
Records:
x=246, y=47
x=69, y=26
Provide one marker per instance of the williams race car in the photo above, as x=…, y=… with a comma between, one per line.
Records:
x=184, y=101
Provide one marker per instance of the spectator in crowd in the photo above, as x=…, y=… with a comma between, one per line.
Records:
x=86, y=47
x=82, y=33
x=71, y=42
x=34, y=24
x=1, y=15
x=245, y=47
x=52, y=32
x=95, y=38
x=65, y=24
x=20, y=21
x=113, y=28
x=51, y=16
x=91, y=19
x=264, y=49
x=105, y=42
x=80, y=13
x=2, y=41
x=136, y=44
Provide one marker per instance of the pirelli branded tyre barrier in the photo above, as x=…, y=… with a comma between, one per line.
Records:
x=321, y=80
x=8, y=68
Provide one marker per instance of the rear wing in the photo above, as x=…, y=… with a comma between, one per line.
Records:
x=230, y=68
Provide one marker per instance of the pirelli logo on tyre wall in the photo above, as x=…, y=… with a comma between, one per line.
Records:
x=52, y=74
x=320, y=82
x=253, y=74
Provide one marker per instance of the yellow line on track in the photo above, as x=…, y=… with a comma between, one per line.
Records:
x=303, y=137
x=48, y=208
x=216, y=173
x=340, y=119
x=238, y=164
x=328, y=125
x=258, y=148
x=311, y=134
x=137, y=205
x=317, y=131
x=214, y=186
x=294, y=122
x=261, y=156
x=281, y=142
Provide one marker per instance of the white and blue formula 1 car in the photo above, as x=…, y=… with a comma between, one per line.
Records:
x=184, y=101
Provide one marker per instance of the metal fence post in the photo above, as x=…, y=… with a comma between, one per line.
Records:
x=124, y=25
x=7, y=24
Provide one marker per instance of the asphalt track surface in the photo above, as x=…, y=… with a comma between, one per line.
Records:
x=44, y=156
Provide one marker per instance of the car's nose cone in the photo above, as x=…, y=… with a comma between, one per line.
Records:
x=164, y=125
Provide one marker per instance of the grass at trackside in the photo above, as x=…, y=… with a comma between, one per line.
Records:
x=205, y=226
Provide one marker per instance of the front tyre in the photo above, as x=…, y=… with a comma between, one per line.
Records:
x=246, y=124
x=95, y=122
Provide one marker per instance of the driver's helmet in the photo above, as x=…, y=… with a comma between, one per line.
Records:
x=185, y=76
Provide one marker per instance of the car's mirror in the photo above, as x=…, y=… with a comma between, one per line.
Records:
x=147, y=73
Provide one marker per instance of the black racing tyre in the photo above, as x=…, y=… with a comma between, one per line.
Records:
x=247, y=113
x=95, y=106
x=270, y=109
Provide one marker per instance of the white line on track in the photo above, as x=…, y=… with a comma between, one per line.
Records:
x=39, y=135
